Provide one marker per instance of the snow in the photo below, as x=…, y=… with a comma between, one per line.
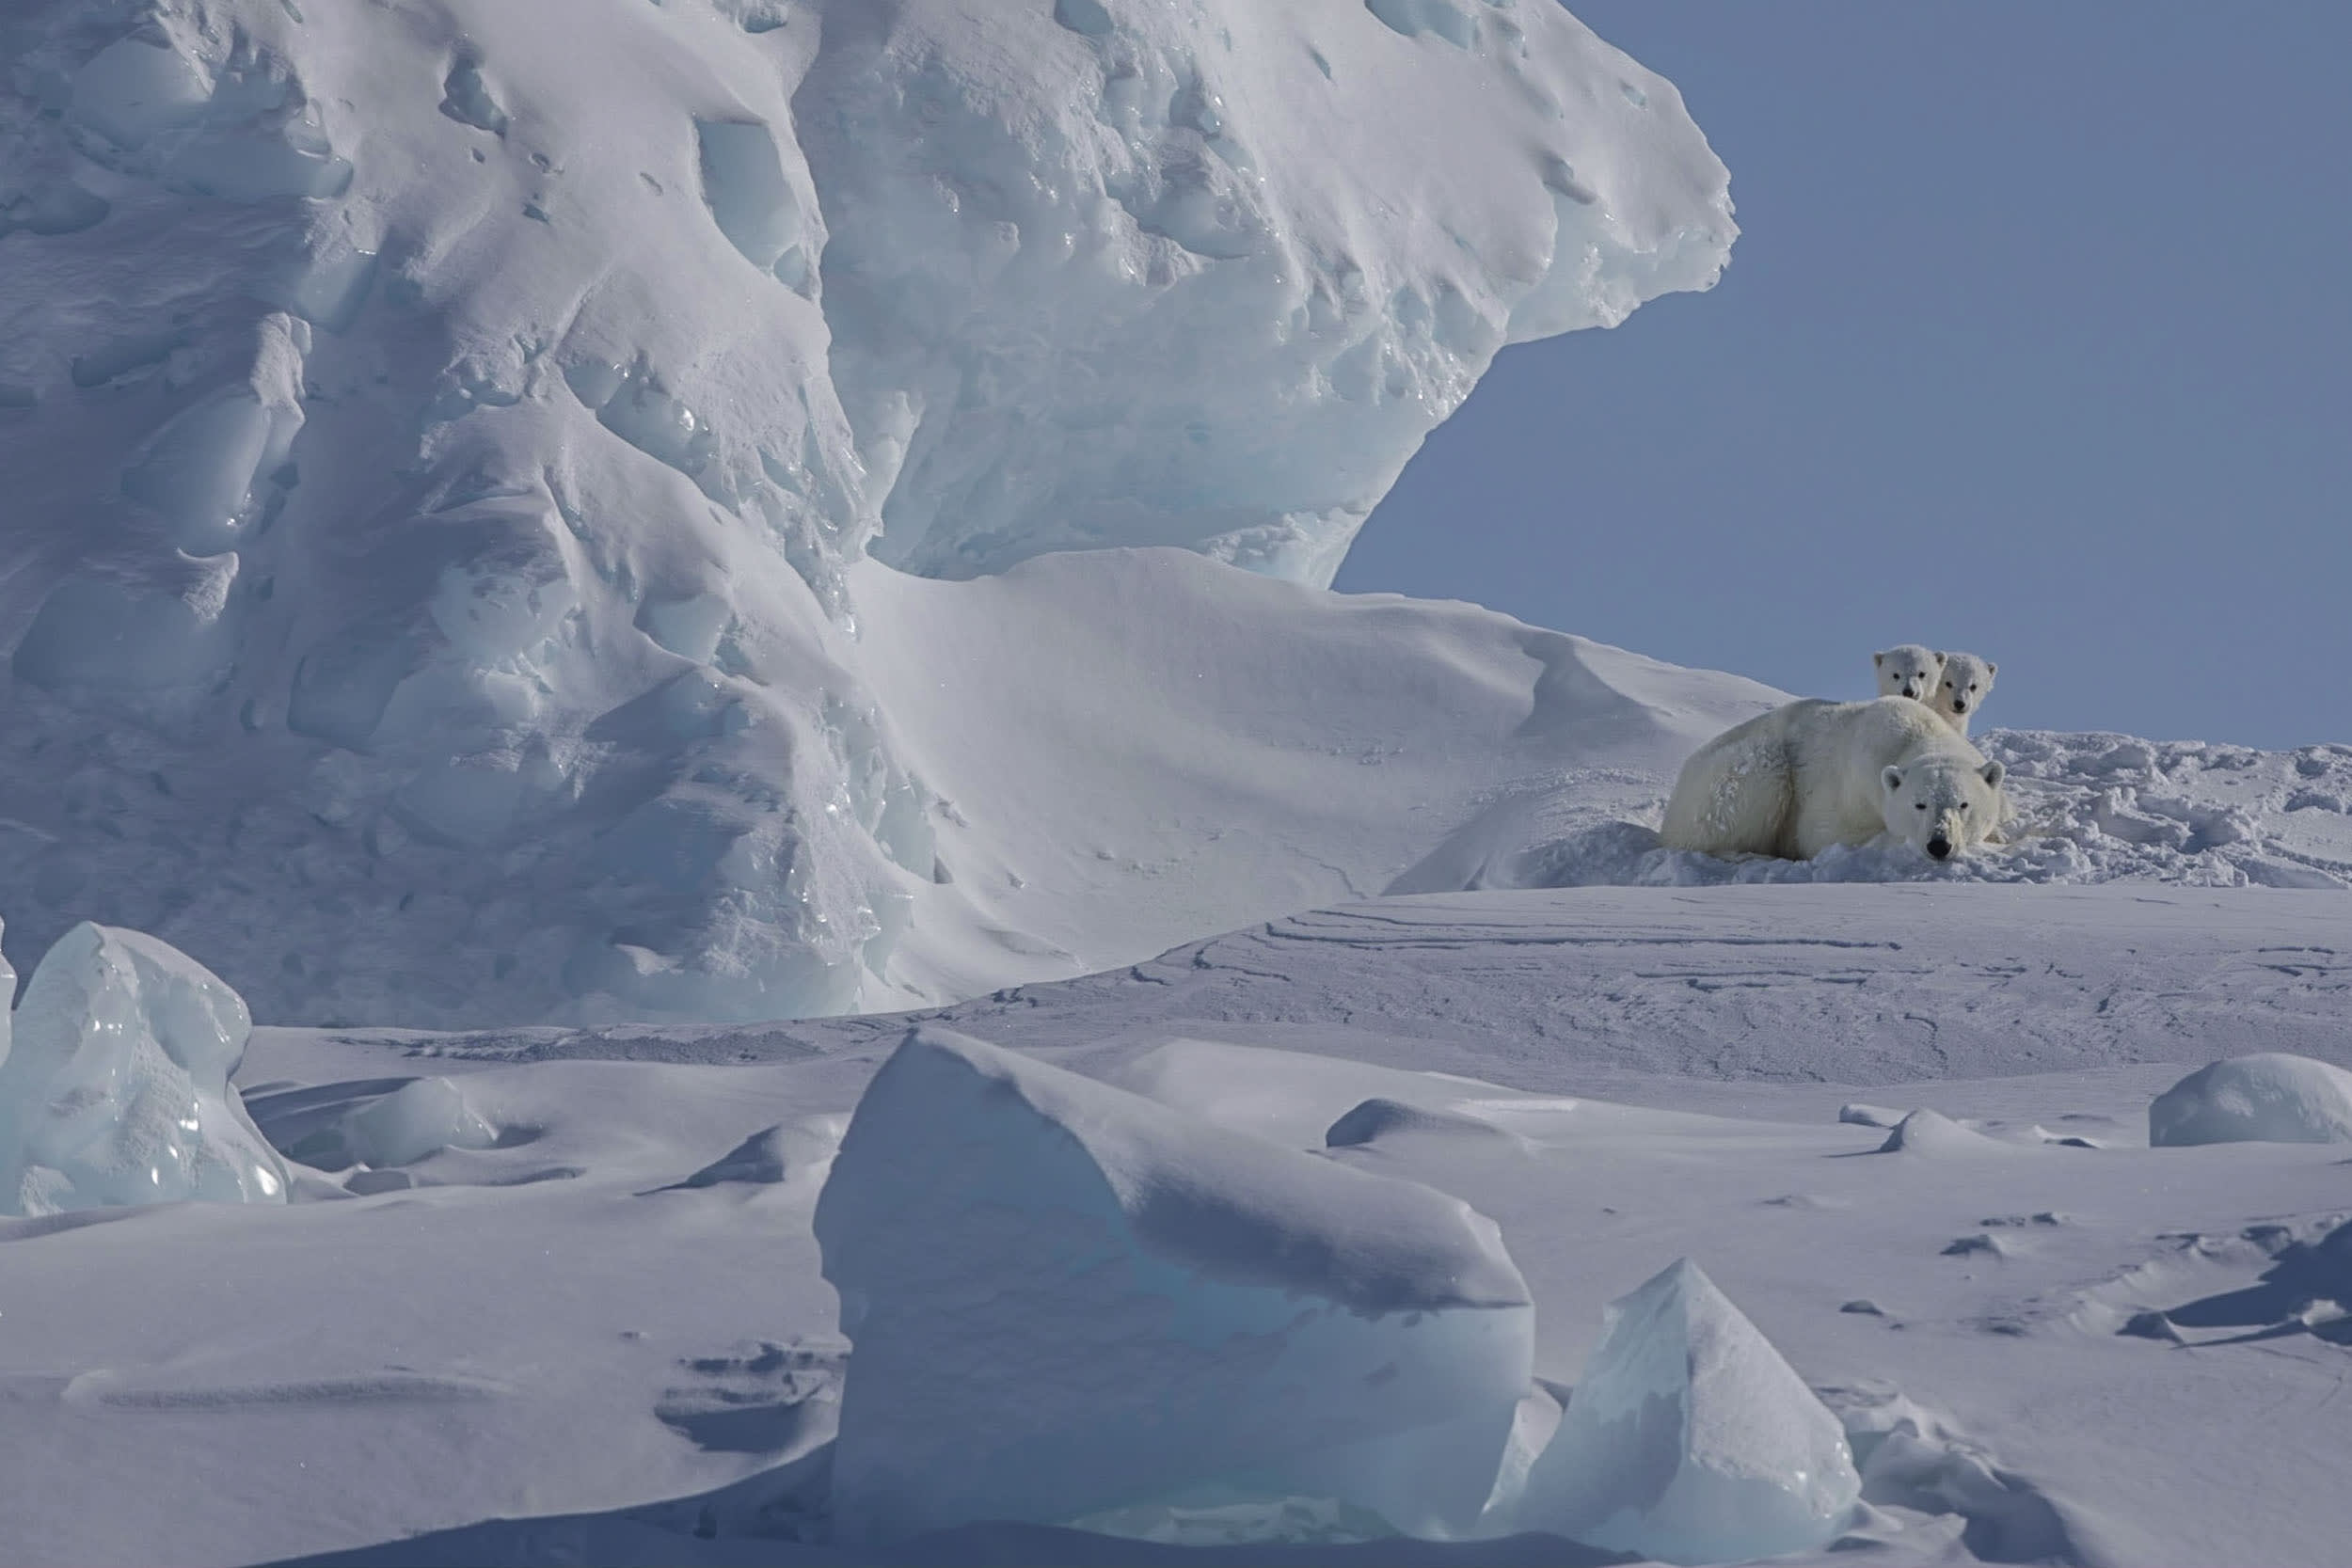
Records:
x=563, y=1342
x=1688, y=1438
x=767, y=511
x=448, y=463
x=1065, y=1300
x=113, y=1087
x=2269, y=1097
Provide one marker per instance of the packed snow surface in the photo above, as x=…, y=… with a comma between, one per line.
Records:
x=2268, y=1097
x=115, y=1088
x=608, y=1338
x=443, y=462
x=1690, y=1440
x=1062, y=1298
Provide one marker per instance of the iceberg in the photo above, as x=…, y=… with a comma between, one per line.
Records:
x=454, y=450
x=1690, y=1440
x=2273, y=1096
x=1065, y=1300
x=114, y=1087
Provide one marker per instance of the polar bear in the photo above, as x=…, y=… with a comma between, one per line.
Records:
x=1812, y=773
x=1909, y=670
x=1966, y=681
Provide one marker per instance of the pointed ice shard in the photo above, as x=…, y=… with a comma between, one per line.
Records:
x=1690, y=1439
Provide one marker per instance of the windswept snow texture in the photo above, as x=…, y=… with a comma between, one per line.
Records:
x=115, y=1089
x=437, y=457
x=1062, y=1298
x=1688, y=1438
x=2267, y=1098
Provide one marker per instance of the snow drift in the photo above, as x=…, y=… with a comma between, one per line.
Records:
x=440, y=456
x=1064, y=1299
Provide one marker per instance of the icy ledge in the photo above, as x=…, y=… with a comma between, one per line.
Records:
x=1065, y=1299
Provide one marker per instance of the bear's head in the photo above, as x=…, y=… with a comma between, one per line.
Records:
x=1941, y=805
x=1964, y=686
x=1909, y=671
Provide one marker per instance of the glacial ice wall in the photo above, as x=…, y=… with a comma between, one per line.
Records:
x=437, y=433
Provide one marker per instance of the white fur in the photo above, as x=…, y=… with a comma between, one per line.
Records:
x=1960, y=690
x=1909, y=670
x=1794, y=782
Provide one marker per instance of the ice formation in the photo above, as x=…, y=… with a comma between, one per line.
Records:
x=115, y=1088
x=1690, y=1440
x=420, y=1117
x=2269, y=1098
x=437, y=454
x=1065, y=1300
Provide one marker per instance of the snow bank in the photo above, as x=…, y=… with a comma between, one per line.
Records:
x=440, y=454
x=2270, y=1098
x=1064, y=1299
x=1689, y=1439
x=115, y=1089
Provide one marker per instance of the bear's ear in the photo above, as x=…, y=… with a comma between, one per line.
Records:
x=1942, y=658
x=1879, y=659
x=1892, y=777
x=1990, y=668
x=1993, y=773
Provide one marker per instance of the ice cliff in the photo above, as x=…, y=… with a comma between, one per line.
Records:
x=443, y=439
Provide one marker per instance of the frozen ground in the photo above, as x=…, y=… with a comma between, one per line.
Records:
x=573, y=1327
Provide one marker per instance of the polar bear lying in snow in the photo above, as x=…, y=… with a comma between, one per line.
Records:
x=1794, y=782
x=1954, y=685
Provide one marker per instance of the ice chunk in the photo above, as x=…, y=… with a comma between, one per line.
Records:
x=423, y=1116
x=116, y=1089
x=134, y=88
x=2271, y=1098
x=1690, y=1439
x=1066, y=1299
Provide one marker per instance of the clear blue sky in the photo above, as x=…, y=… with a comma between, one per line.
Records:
x=2036, y=342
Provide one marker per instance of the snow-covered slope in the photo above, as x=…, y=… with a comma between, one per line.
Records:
x=438, y=436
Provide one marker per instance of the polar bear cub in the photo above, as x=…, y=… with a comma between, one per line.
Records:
x=1812, y=773
x=1909, y=670
x=1966, y=681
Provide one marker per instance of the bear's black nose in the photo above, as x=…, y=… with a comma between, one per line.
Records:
x=1939, y=847
x=1960, y=705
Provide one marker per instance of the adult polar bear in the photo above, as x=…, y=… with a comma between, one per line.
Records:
x=1794, y=782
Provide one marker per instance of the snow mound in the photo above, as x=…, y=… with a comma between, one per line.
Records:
x=1933, y=1133
x=420, y=1117
x=2090, y=807
x=2269, y=1098
x=1690, y=1440
x=441, y=457
x=1065, y=1300
x=115, y=1089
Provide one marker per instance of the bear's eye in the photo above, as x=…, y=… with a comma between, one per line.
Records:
x=1963, y=805
x=1921, y=806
